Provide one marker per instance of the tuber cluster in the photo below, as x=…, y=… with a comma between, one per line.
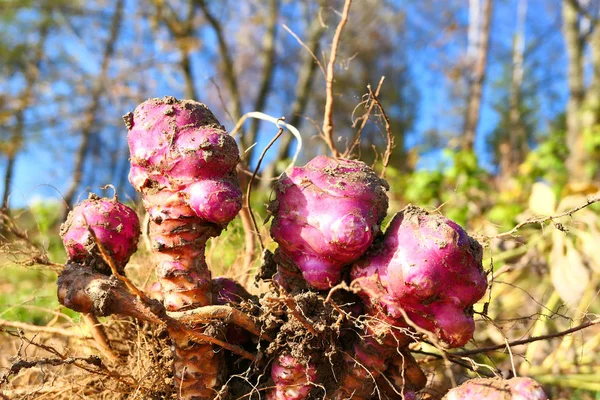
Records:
x=346, y=299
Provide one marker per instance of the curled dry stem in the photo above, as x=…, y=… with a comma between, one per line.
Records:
x=328, y=116
x=388, y=129
x=365, y=118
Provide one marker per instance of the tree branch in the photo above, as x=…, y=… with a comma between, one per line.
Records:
x=328, y=116
x=92, y=111
x=230, y=76
x=266, y=81
x=528, y=340
x=533, y=221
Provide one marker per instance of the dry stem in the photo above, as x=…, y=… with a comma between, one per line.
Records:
x=99, y=334
x=388, y=130
x=249, y=188
x=20, y=364
x=531, y=221
x=40, y=329
x=328, y=116
x=312, y=54
x=528, y=340
x=225, y=313
x=365, y=119
x=159, y=312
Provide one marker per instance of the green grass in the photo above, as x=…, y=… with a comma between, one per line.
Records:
x=25, y=294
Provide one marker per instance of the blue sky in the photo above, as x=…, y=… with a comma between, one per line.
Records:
x=44, y=172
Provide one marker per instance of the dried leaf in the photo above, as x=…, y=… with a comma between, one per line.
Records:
x=569, y=275
x=571, y=201
x=542, y=200
x=589, y=247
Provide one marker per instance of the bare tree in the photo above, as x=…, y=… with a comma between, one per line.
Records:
x=583, y=106
x=477, y=78
x=182, y=31
x=31, y=71
x=91, y=113
x=513, y=150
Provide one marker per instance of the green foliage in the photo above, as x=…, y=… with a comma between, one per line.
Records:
x=547, y=161
x=528, y=107
x=44, y=225
x=461, y=185
x=27, y=293
x=504, y=214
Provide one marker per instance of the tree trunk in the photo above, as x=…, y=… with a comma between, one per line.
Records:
x=477, y=79
x=577, y=159
x=31, y=74
x=91, y=113
x=514, y=154
x=303, y=93
x=268, y=68
x=590, y=117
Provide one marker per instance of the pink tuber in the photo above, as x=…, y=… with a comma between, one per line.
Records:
x=429, y=268
x=183, y=162
x=326, y=215
x=293, y=380
x=498, y=389
x=115, y=226
x=227, y=291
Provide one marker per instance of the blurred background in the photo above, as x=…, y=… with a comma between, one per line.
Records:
x=493, y=105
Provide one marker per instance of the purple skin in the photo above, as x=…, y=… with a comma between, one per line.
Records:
x=430, y=268
x=498, y=389
x=292, y=379
x=183, y=163
x=179, y=148
x=228, y=291
x=326, y=215
x=115, y=225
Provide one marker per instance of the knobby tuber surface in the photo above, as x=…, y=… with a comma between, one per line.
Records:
x=429, y=268
x=115, y=226
x=183, y=162
x=326, y=215
x=498, y=389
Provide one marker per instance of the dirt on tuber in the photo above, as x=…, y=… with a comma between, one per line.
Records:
x=114, y=225
x=325, y=216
